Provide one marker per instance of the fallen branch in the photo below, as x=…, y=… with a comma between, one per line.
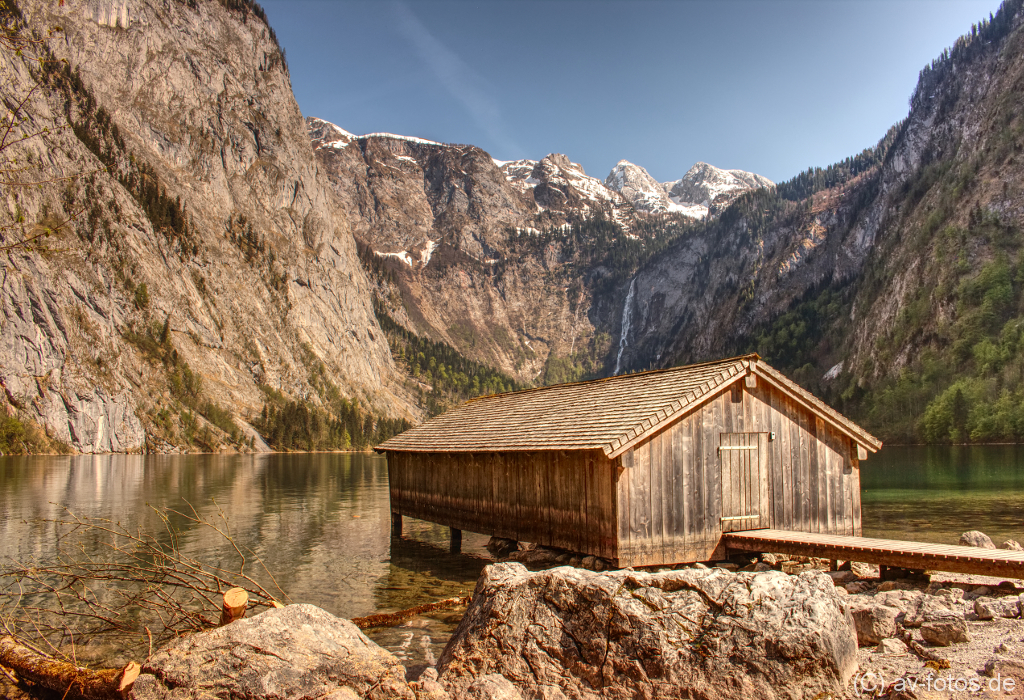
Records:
x=397, y=618
x=69, y=680
x=927, y=655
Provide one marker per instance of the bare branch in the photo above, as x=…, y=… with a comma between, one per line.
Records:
x=133, y=588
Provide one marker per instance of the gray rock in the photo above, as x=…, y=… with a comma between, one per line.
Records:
x=426, y=687
x=491, y=687
x=905, y=600
x=621, y=634
x=945, y=629
x=1012, y=545
x=842, y=577
x=537, y=556
x=892, y=647
x=991, y=608
x=501, y=547
x=975, y=538
x=978, y=592
x=291, y=653
x=873, y=622
x=925, y=608
x=1006, y=668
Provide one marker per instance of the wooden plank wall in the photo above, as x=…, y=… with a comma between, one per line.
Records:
x=813, y=481
x=558, y=499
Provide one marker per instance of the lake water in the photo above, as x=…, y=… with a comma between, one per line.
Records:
x=321, y=522
x=933, y=494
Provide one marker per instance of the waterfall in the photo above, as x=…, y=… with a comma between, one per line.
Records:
x=627, y=314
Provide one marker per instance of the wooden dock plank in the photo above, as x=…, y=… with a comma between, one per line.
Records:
x=910, y=555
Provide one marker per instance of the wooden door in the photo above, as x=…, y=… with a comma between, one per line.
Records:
x=744, y=462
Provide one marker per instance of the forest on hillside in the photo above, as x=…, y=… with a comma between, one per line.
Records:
x=951, y=368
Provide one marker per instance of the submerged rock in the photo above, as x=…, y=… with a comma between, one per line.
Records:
x=623, y=634
x=298, y=651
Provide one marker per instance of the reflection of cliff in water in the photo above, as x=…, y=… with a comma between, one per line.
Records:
x=320, y=522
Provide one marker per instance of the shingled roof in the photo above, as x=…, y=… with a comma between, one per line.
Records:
x=609, y=414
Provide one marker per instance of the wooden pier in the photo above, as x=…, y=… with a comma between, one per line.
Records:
x=921, y=556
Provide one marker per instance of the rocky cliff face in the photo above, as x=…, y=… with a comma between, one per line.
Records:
x=193, y=232
x=453, y=224
x=894, y=271
x=481, y=249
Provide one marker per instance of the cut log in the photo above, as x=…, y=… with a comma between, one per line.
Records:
x=235, y=602
x=69, y=680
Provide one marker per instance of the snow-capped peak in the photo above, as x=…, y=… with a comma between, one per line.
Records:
x=706, y=186
x=638, y=187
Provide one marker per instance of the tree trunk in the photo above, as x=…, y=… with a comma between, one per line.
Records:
x=65, y=678
x=235, y=602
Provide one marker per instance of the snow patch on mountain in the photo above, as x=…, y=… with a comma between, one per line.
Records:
x=398, y=137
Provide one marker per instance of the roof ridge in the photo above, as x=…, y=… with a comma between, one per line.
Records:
x=666, y=370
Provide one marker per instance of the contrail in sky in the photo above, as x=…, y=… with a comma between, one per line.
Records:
x=458, y=78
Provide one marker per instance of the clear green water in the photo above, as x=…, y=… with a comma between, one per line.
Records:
x=933, y=494
x=321, y=522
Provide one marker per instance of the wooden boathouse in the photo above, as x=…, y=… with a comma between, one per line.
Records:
x=640, y=469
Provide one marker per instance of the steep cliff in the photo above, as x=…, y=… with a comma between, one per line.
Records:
x=468, y=243
x=197, y=255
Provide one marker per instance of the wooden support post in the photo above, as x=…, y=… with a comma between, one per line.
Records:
x=456, y=541
x=396, y=524
x=235, y=602
x=833, y=565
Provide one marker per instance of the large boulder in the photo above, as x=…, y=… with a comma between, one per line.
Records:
x=975, y=538
x=703, y=633
x=298, y=651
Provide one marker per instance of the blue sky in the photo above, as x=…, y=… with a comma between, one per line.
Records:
x=770, y=86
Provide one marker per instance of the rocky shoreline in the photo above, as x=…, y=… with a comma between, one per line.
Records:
x=768, y=628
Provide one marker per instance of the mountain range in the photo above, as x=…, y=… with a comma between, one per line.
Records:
x=214, y=271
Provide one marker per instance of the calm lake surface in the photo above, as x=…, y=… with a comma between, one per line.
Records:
x=933, y=494
x=321, y=522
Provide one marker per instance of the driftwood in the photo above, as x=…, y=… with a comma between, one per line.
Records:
x=927, y=655
x=69, y=680
x=397, y=618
